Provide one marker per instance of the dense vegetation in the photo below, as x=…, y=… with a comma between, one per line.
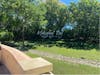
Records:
x=21, y=20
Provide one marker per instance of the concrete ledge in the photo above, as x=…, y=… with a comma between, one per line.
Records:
x=19, y=63
x=36, y=65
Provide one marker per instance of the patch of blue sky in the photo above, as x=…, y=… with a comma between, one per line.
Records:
x=69, y=1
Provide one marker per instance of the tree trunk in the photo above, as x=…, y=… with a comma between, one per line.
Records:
x=23, y=37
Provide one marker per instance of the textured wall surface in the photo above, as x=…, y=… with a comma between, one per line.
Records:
x=0, y=55
x=19, y=63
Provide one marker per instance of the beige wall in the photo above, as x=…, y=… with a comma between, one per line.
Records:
x=0, y=55
x=19, y=63
x=10, y=62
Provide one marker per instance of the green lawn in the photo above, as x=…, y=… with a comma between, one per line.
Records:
x=61, y=67
x=92, y=54
x=59, y=47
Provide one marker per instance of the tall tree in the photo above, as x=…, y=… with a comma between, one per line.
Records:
x=86, y=14
x=56, y=14
x=20, y=16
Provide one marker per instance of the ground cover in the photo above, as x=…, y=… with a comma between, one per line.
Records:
x=61, y=67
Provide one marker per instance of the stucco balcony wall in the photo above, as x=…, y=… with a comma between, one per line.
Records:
x=0, y=55
x=19, y=63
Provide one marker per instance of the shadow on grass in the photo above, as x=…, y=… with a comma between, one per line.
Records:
x=50, y=43
x=67, y=44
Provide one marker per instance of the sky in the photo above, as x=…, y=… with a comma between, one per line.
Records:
x=68, y=1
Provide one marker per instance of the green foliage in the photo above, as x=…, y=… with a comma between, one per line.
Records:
x=68, y=34
x=20, y=16
x=24, y=18
x=86, y=14
x=56, y=15
x=6, y=36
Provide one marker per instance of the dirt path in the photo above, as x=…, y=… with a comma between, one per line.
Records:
x=67, y=59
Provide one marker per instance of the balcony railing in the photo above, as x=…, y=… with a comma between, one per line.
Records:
x=19, y=63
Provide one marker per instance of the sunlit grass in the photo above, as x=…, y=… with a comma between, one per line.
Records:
x=92, y=54
x=52, y=47
x=61, y=67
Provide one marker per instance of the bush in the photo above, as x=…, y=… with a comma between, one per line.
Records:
x=6, y=36
x=68, y=34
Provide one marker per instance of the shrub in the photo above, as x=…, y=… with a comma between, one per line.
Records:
x=6, y=36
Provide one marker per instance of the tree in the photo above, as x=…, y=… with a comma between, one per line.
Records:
x=56, y=15
x=86, y=14
x=19, y=16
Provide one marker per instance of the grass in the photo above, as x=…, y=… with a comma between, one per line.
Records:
x=58, y=47
x=92, y=54
x=61, y=67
